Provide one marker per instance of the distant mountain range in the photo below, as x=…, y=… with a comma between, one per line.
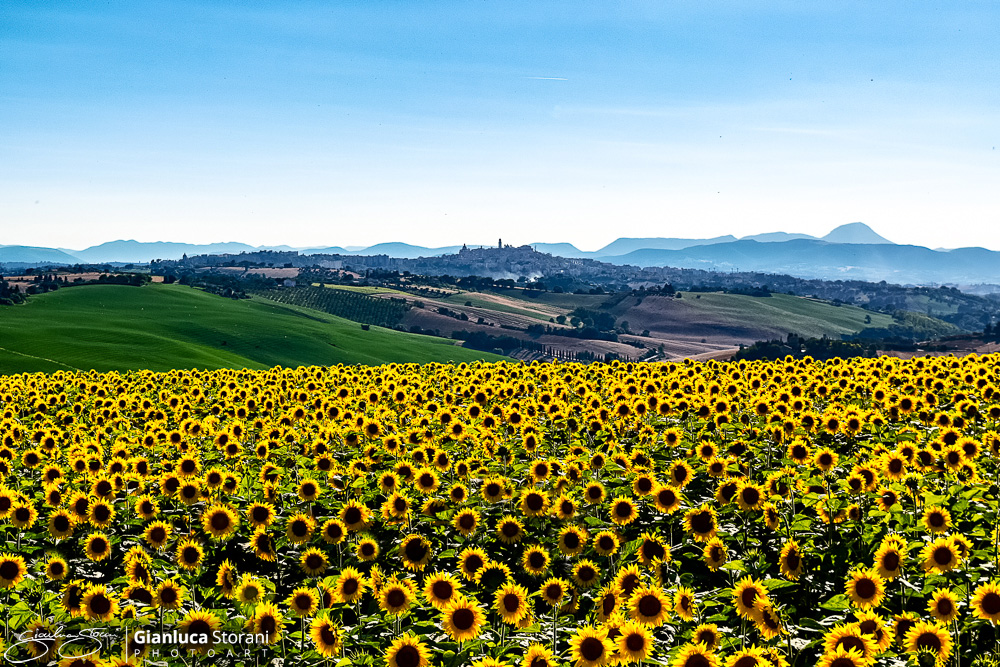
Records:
x=851, y=251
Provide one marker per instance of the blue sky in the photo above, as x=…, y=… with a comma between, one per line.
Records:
x=316, y=123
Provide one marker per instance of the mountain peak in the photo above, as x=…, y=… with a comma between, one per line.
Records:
x=855, y=232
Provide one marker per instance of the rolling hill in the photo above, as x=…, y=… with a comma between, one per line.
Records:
x=160, y=327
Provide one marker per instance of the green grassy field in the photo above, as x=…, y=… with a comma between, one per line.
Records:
x=473, y=299
x=159, y=327
x=806, y=317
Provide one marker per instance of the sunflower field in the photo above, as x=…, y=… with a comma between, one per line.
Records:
x=752, y=514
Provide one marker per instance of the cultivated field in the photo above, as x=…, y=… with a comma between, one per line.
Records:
x=753, y=514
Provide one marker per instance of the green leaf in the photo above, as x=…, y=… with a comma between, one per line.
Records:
x=775, y=584
x=836, y=603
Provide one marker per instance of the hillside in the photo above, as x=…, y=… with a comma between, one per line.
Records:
x=160, y=327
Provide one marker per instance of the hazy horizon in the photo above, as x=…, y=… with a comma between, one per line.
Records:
x=440, y=123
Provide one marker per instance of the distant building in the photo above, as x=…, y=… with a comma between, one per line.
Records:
x=289, y=282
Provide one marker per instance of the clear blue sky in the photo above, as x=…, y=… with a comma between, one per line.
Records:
x=351, y=123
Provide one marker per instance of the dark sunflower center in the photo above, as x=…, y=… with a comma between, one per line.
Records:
x=100, y=604
x=408, y=656
x=352, y=516
x=98, y=545
x=865, y=589
x=220, y=521
x=535, y=502
x=701, y=522
x=553, y=592
x=442, y=590
x=350, y=587
x=943, y=555
x=929, y=640
x=314, y=561
x=571, y=540
x=852, y=643
x=586, y=573
x=158, y=534
x=415, y=550
x=606, y=543
x=608, y=604
x=591, y=649
x=991, y=603
x=22, y=514
x=653, y=549
x=299, y=528
x=650, y=606
x=629, y=583
x=168, y=595
x=326, y=634
x=463, y=618
x=793, y=560
x=395, y=598
x=635, y=642
x=511, y=602
x=945, y=607
x=308, y=490
x=751, y=496
x=467, y=521
x=60, y=523
x=697, y=660
x=191, y=555
x=9, y=570
x=536, y=560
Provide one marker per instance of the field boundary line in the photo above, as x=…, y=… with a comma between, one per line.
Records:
x=51, y=361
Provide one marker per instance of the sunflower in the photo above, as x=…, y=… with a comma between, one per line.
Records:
x=535, y=560
x=538, y=655
x=635, y=643
x=750, y=496
x=843, y=657
x=684, y=603
x=395, y=596
x=61, y=524
x=200, y=623
x=511, y=602
x=707, y=634
x=168, y=595
x=313, y=562
x=471, y=561
x=249, y=590
x=466, y=521
x=462, y=619
x=534, y=503
x=623, y=511
x=156, y=534
x=680, y=474
x=260, y=514
x=825, y=459
x=220, y=522
x=12, y=570
x=593, y=493
x=333, y=531
x=572, y=540
x=441, y=589
x=190, y=554
x=768, y=621
x=509, y=530
x=263, y=544
x=627, y=580
x=309, y=490
x=586, y=574
x=791, y=560
x=98, y=546
x=407, y=651
x=553, y=590
x=354, y=516
x=667, y=499
x=715, y=554
x=746, y=594
x=299, y=528
x=848, y=636
x=71, y=597
x=701, y=523
x=267, y=621
x=941, y=555
x=606, y=543
x=326, y=637
x=415, y=552
x=937, y=520
x=100, y=513
x=366, y=549
x=648, y=606
x=889, y=559
x=22, y=515
x=303, y=601
x=865, y=588
x=943, y=606
x=41, y=639
x=350, y=585
x=493, y=490
x=606, y=602
x=924, y=636
x=870, y=623
x=98, y=603
x=986, y=602
x=590, y=647
x=56, y=568
x=695, y=654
